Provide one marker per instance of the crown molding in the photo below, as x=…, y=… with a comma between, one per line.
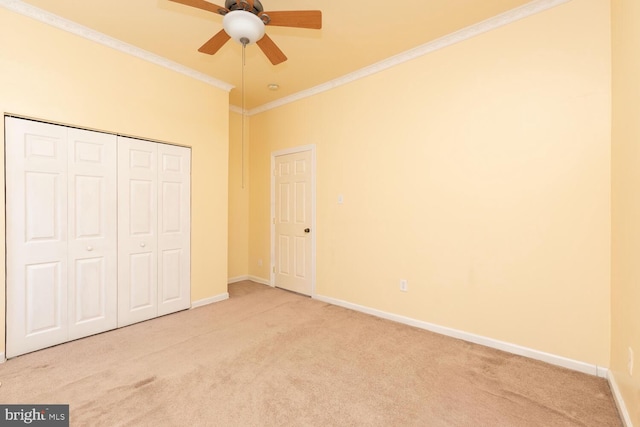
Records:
x=497, y=21
x=95, y=36
x=238, y=110
x=466, y=33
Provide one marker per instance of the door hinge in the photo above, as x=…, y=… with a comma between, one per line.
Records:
x=273, y=268
x=274, y=221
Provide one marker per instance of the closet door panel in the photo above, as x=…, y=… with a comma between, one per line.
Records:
x=137, y=231
x=174, y=235
x=93, y=292
x=97, y=232
x=36, y=235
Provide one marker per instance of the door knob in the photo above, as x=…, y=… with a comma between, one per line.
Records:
x=89, y=248
x=307, y=230
x=142, y=245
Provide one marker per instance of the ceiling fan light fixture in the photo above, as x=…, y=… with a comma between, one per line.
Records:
x=242, y=26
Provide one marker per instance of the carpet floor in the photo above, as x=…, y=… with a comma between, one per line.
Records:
x=267, y=357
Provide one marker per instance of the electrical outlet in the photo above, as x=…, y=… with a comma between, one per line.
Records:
x=630, y=363
x=404, y=287
x=260, y=262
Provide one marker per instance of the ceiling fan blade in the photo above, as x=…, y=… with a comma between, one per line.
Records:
x=295, y=18
x=215, y=43
x=204, y=5
x=273, y=52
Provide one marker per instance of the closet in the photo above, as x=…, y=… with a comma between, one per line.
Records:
x=97, y=232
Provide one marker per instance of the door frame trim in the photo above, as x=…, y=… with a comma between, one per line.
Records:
x=311, y=148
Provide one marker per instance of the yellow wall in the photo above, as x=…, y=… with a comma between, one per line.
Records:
x=53, y=75
x=625, y=284
x=238, y=197
x=480, y=173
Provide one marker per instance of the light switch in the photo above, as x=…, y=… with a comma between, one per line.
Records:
x=340, y=199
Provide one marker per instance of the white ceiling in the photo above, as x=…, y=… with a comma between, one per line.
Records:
x=354, y=35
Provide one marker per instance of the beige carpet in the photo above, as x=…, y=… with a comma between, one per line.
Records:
x=273, y=358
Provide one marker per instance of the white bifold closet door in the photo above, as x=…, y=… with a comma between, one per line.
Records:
x=60, y=234
x=153, y=229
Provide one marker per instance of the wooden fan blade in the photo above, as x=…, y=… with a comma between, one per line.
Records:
x=273, y=52
x=295, y=18
x=204, y=5
x=215, y=43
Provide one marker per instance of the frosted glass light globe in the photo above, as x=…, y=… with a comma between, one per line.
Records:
x=243, y=27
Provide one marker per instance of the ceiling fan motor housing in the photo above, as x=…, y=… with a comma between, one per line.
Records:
x=244, y=5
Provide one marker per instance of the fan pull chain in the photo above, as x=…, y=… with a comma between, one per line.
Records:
x=244, y=47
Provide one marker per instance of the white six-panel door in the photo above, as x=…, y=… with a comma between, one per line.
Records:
x=36, y=221
x=174, y=236
x=61, y=240
x=137, y=230
x=92, y=219
x=293, y=221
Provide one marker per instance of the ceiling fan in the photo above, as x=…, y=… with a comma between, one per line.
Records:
x=245, y=21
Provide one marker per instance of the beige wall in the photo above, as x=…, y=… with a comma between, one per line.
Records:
x=625, y=285
x=49, y=74
x=238, y=197
x=480, y=173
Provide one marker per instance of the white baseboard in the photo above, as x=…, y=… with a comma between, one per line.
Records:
x=210, y=300
x=617, y=396
x=259, y=280
x=2, y=358
x=252, y=278
x=477, y=339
